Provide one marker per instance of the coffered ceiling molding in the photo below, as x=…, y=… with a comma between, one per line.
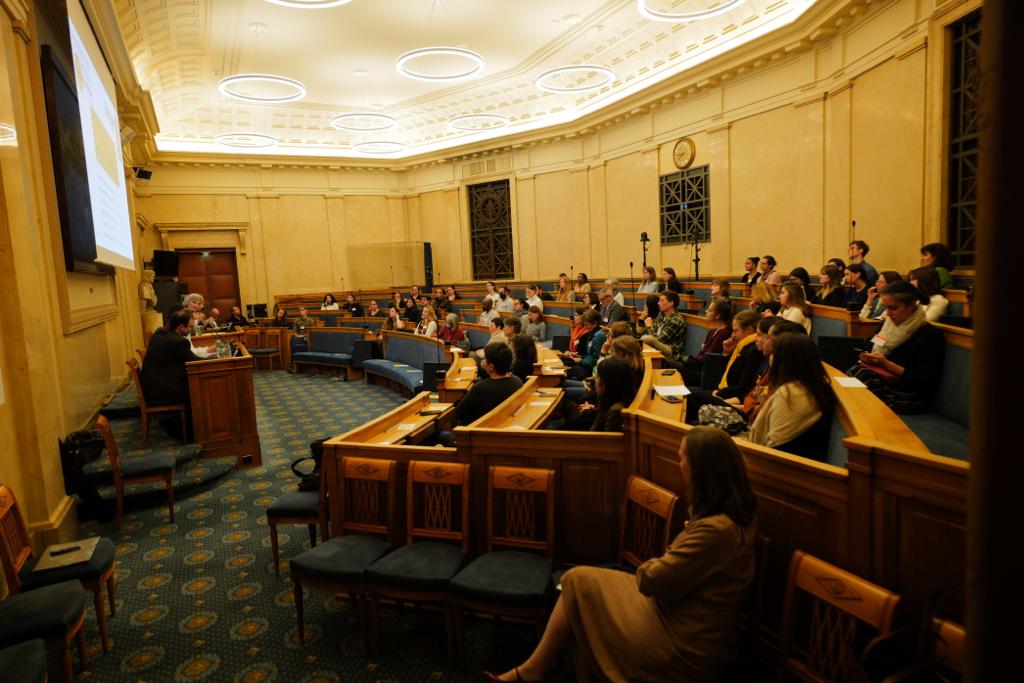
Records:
x=181, y=49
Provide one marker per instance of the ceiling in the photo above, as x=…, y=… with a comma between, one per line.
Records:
x=345, y=58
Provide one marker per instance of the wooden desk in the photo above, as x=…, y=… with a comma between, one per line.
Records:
x=656, y=357
x=863, y=414
x=529, y=408
x=459, y=378
x=404, y=424
x=224, y=407
x=549, y=368
x=647, y=399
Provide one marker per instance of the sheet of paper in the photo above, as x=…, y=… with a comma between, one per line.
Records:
x=540, y=404
x=468, y=369
x=650, y=351
x=850, y=383
x=516, y=427
x=674, y=390
x=554, y=371
x=406, y=427
x=552, y=361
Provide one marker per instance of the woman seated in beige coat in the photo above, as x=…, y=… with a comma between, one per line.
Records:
x=676, y=619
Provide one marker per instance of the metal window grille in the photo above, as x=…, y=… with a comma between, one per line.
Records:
x=686, y=206
x=964, y=136
x=490, y=228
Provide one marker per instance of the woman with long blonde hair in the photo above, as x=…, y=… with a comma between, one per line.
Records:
x=427, y=326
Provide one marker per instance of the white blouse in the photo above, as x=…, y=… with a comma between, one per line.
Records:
x=794, y=314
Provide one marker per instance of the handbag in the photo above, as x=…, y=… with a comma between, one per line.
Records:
x=728, y=419
x=310, y=481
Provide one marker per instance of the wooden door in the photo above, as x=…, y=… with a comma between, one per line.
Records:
x=212, y=273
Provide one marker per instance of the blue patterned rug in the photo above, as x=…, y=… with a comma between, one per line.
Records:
x=198, y=599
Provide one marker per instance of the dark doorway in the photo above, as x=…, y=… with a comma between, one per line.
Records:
x=490, y=229
x=212, y=273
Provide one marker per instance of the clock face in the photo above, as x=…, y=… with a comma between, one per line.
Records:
x=684, y=153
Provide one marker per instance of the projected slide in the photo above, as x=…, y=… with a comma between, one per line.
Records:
x=101, y=137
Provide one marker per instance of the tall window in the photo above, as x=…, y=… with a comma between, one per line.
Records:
x=965, y=83
x=490, y=230
x=686, y=206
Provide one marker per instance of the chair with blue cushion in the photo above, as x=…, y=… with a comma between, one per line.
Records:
x=25, y=662
x=145, y=410
x=19, y=563
x=298, y=507
x=511, y=580
x=368, y=506
x=437, y=534
x=264, y=344
x=55, y=614
x=137, y=470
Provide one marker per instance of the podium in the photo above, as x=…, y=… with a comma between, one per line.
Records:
x=224, y=407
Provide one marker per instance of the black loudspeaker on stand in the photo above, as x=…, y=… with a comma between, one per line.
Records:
x=428, y=267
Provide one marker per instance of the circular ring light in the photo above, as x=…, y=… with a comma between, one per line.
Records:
x=476, y=61
x=7, y=132
x=226, y=87
x=542, y=83
x=309, y=4
x=379, y=147
x=362, y=122
x=678, y=17
x=478, y=122
x=245, y=140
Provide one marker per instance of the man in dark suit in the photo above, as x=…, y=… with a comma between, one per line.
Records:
x=164, y=379
x=611, y=311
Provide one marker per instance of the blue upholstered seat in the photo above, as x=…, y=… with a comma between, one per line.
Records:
x=101, y=560
x=506, y=576
x=426, y=564
x=148, y=465
x=941, y=435
x=405, y=375
x=695, y=336
x=47, y=612
x=478, y=338
x=295, y=504
x=24, y=662
x=322, y=357
x=343, y=558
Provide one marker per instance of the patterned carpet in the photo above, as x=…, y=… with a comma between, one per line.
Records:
x=198, y=599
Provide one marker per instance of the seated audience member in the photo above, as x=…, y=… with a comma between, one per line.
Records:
x=487, y=393
x=374, y=310
x=534, y=325
x=164, y=378
x=496, y=327
x=799, y=394
x=719, y=290
x=588, y=347
x=750, y=271
x=237, y=319
x=328, y=303
x=411, y=312
x=613, y=284
x=904, y=366
x=669, y=281
x=519, y=308
x=304, y=321
x=676, y=619
x=858, y=251
x=579, y=391
x=838, y=263
x=667, y=332
x=800, y=276
x=649, y=312
x=524, y=355
x=452, y=332
x=615, y=386
x=936, y=255
x=441, y=303
x=392, y=323
x=592, y=301
x=610, y=310
x=741, y=370
x=793, y=306
x=488, y=313
x=533, y=297
x=194, y=304
x=927, y=282
x=873, y=306
x=212, y=321
x=582, y=287
x=763, y=299
x=397, y=301
x=511, y=326
x=857, y=295
x=579, y=330
x=649, y=283
x=354, y=308
x=492, y=293
x=832, y=292
x=720, y=315
x=563, y=291
x=505, y=302
x=629, y=349
x=427, y=326
x=280, y=318
x=769, y=275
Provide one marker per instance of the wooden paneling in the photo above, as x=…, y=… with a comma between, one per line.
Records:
x=212, y=273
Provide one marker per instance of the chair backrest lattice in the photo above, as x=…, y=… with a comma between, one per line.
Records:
x=368, y=495
x=647, y=514
x=251, y=336
x=520, y=509
x=437, y=504
x=15, y=546
x=828, y=612
x=133, y=366
x=115, y=456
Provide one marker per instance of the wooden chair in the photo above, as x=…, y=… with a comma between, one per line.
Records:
x=298, y=507
x=511, y=580
x=141, y=353
x=28, y=659
x=146, y=410
x=437, y=535
x=648, y=511
x=953, y=635
x=19, y=562
x=832, y=607
x=368, y=514
x=140, y=470
x=267, y=345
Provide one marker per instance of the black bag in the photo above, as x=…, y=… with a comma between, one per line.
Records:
x=310, y=481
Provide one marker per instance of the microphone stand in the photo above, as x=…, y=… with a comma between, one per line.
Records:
x=630, y=273
x=696, y=260
x=643, y=243
x=572, y=286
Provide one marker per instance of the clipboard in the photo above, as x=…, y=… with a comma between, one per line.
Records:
x=67, y=554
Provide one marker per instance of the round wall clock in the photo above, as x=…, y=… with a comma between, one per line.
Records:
x=684, y=153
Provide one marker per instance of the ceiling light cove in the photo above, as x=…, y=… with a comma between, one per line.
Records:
x=478, y=122
x=440, y=64
x=379, y=147
x=266, y=88
x=245, y=140
x=309, y=4
x=643, y=6
x=363, y=121
x=575, y=78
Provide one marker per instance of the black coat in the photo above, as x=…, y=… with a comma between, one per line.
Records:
x=743, y=373
x=164, y=379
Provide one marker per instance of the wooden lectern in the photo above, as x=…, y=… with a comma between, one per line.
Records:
x=224, y=407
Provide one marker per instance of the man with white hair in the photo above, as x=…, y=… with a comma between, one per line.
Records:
x=614, y=284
